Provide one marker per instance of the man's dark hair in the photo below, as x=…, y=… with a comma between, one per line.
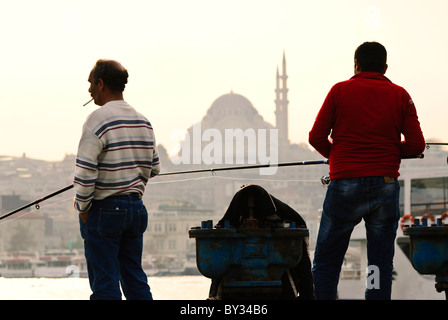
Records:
x=371, y=56
x=113, y=74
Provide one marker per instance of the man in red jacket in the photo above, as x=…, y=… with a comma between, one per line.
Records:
x=366, y=116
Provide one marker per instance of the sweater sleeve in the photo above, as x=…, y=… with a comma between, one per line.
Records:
x=155, y=170
x=414, y=142
x=318, y=136
x=86, y=171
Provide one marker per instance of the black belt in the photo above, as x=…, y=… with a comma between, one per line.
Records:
x=127, y=195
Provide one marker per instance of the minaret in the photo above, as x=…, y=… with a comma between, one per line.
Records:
x=281, y=107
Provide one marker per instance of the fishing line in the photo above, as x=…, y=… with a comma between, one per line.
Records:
x=35, y=210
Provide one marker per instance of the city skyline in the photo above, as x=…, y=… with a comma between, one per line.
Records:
x=181, y=56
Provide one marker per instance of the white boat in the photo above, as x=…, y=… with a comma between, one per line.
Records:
x=190, y=266
x=21, y=265
x=78, y=268
x=163, y=266
x=56, y=264
x=149, y=266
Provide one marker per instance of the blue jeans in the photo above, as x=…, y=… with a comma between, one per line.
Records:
x=348, y=201
x=113, y=244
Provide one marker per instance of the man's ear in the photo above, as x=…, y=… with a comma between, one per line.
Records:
x=357, y=67
x=100, y=84
x=385, y=69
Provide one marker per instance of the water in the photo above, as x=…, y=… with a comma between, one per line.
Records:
x=162, y=288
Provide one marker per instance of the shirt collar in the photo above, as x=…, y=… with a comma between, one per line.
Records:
x=370, y=75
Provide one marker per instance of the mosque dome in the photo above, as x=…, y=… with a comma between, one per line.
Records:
x=233, y=110
x=232, y=104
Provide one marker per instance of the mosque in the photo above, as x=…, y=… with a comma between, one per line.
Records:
x=234, y=111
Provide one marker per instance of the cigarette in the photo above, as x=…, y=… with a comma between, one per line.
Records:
x=87, y=102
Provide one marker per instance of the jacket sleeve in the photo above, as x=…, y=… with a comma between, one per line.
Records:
x=318, y=136
x=414, y=142
x=86, y=171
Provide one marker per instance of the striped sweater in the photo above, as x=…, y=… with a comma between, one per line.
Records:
x=117, y=154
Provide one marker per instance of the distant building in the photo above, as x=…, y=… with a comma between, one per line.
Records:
x=234, y=111
x=167, y=232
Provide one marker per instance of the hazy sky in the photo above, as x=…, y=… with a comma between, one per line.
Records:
x=182, y=55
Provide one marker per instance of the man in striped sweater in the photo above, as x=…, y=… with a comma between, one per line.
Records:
x=117, y=155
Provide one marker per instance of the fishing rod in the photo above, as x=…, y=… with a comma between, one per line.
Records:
x=212, y=170
x=36, y=202
x=428, y=144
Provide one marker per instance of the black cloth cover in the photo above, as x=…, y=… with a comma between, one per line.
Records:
x=270, y=212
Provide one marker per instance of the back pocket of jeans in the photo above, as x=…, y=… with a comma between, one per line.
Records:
x=143, y=220
x=111, y=222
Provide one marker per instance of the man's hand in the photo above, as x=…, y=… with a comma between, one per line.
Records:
x=83, y=216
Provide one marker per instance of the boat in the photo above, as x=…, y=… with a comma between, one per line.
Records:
x=190, y=266
x=20, y=265
x=149, y=267
x=56, y=264
x=78, y=268
x=168, y=265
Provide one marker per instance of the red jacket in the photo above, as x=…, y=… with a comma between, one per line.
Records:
x=366, y=116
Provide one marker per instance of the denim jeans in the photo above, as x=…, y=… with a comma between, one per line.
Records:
x=113, y=244
x=348, y=201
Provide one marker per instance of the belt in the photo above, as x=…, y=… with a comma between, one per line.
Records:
x=127, y=195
